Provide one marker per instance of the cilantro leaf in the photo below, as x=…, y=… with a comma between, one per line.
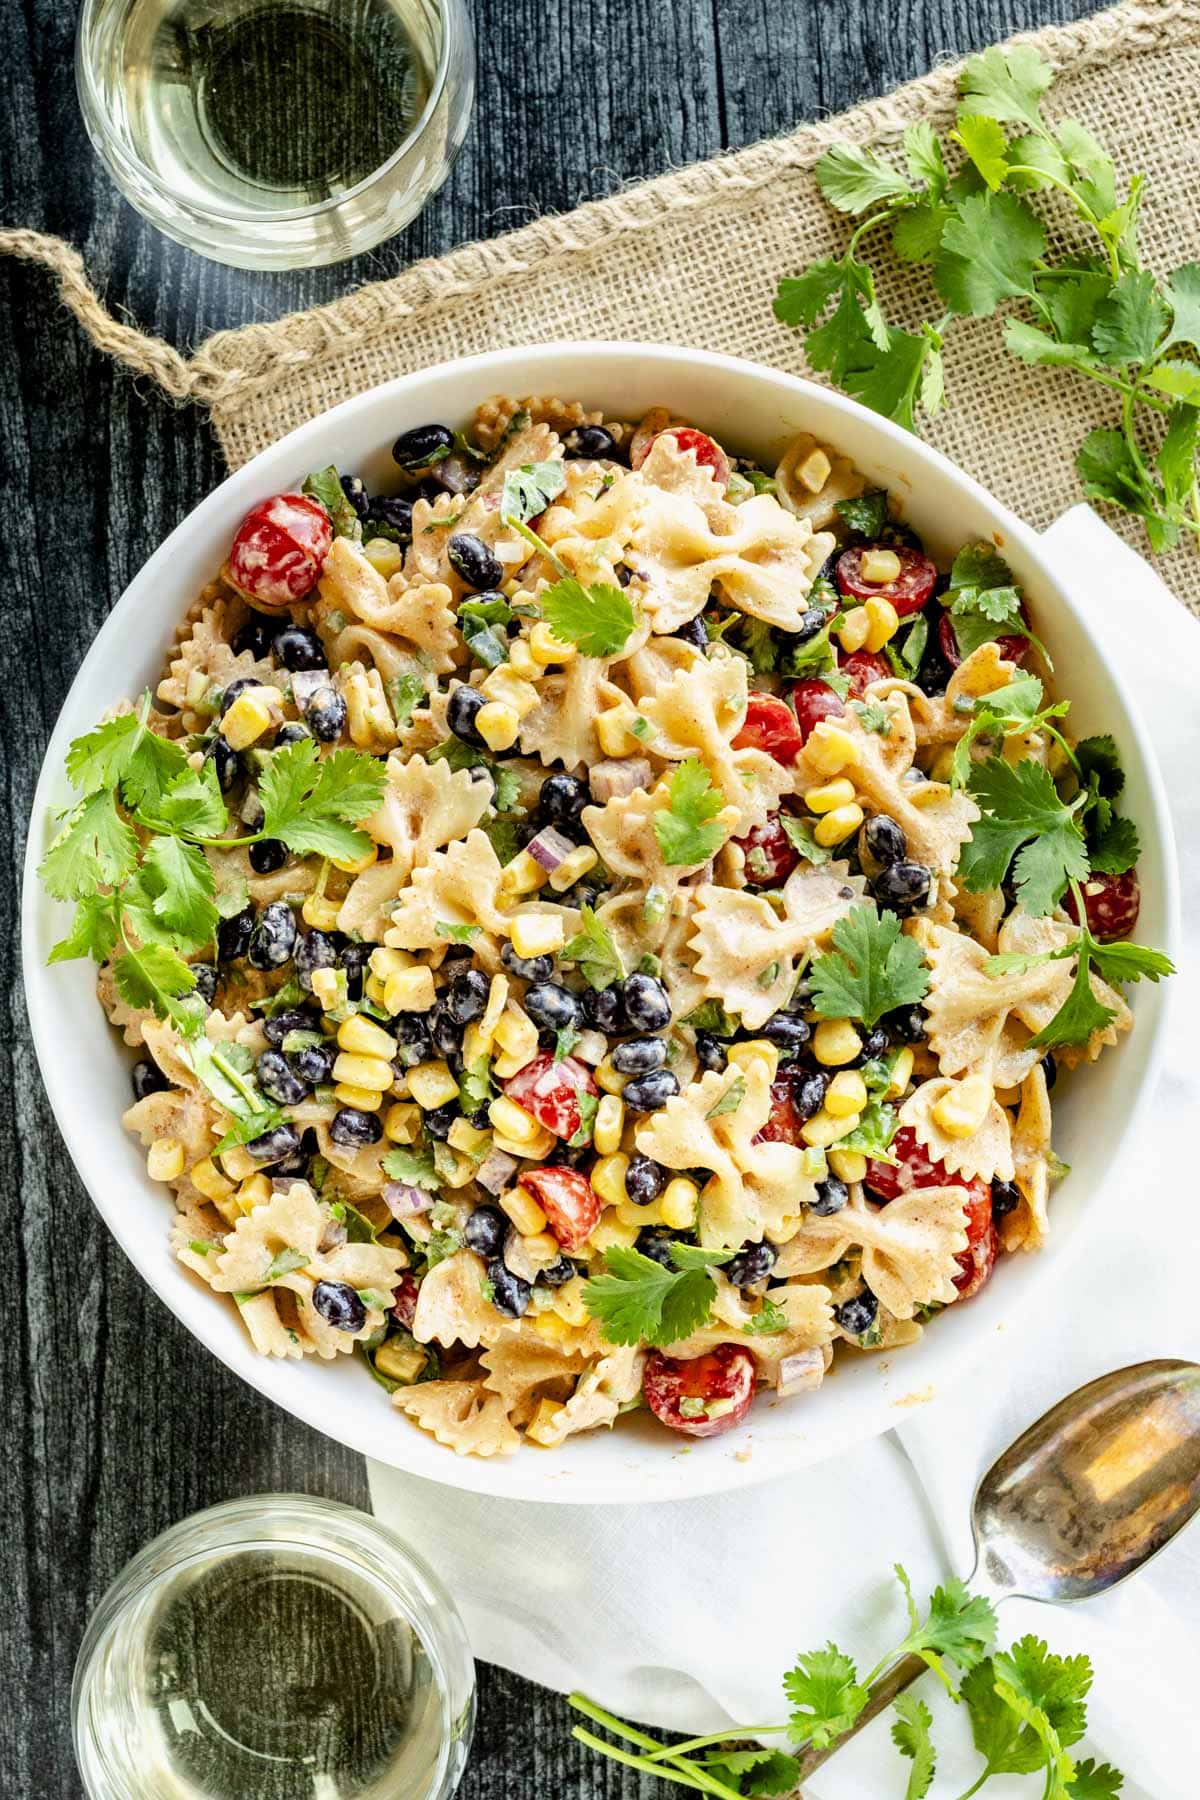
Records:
x=872, y=717
x=191, y=803
x=756, y=1772
x=475, y=1086
x=710, y=1015
x=1008, y=1745
x=768, y=1319
x=412, y=1166
x=853, y=178
x=867, y=514
x=959, y=1626
x=801, y=299
x=529, y=489
x=799, y=834
x=593, y=949
x=730, y=1100
x=99, y=758
x=1006, y=84
x=153, y=977
x=1023, y=824
x=877, y=1126
x=457, y=934
x=178, y=878
x=506, y=786
x=1095, y=1781
x=826, y=1697
x=923, y=154
x=311, y=803
x=95, y=847
x=599, y=619
x=985, y=143
x=1131, y=320
x=910, y=1734
x=1182, y=291
x=639, y=1301
x=405, y=693
x=325, y=486
x=227, y=1071
x=990, y=245
x=871, y=970
x=888, y=379
x=688, y=833
x=1114, y=847
x=1117, y=963
x=94, y=931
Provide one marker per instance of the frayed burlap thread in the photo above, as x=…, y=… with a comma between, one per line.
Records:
x=693, y=258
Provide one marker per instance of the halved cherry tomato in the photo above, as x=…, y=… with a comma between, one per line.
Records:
x=722, y=1380
x=569, y=1202
x=550, y=1091
x=862, y=669
x=1111, y=904
x=279, y=548
x=706, y=450
x=814, y=701
x=785, y=1118
x=915, y=1169
x=404, y=1301
x=979, y=1258
x=768, y=852
x=1012, y=649
x=770, y=725
x=911, y=588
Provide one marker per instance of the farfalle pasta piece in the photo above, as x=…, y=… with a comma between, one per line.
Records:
x=986, y=1154
x=500, y=415
x=457, y=886
x=477, y=514
x=746, y=952
x=623, y=833
x=1023, y=936
x=186, y=1114
x=909, y=1248
x=525, y=1368
x=562, y=727
x=204, y=658
x=462, y=1415
x=699, y=712
x=590, y=526
x=812, y=478
x=1034, y=1167
x=600, y=1393
x=425, y=805
x=808, y=1316
x=713, y=1124
x=419, y=611
x=672, y=469
x=451, y=1308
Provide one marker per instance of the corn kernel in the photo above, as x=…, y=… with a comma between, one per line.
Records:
x=208, y=1178
x=609, y=1079
x=543, y=1249
x=546, y=648
x=515, y=1032
x=608, y=1178
x=402, y=1122
x=475, y=1045
x=630, y=1213
x=326, y=987
x=835, y=1041
x=609, y=1124
x=537, y=1149
x=237, y=1162
x=459, y=1171
x=498, y=725
x=848, y=1165
x=827, y=799
x=678, y=1203
x=852, y=628
x=320, y=913
x=493, y=1012
x=197, y=688
x=814, y=471
x=431, y=1084
x=516, y=1124
x=902, y=1070
x=611, y=1234
x=374, y=990
x=549, y=1424
x=510, y=1063
x=249, y=717
x=368, y=715
x=757, y=1050
x=521, y=876
x=846, y=1094
x=522, y=661
x=384, y=556
x=879, y=566
x=569, y=1302
x=165, y=1160
x=400, y=1361
x=409, y=990
x=360, y=1098
x=569, y=870
x=961, y=1111
x=254, y=1191
x=884, y=622
x=537, y=933
x=823, y=1129
x=366, y=1072
x=524, y=1211
x=556, y=1331
x=355, y=865
x=941, y=767
x=830, y=748
x=506, y=686
x=612, y=729
x=838, y=825
x=363, y=1037
x=468, y=1138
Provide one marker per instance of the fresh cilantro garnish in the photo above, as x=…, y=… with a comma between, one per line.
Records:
x=871, y=970
x=910, y=1734
x=440, y=1245
x=227, y=1071
x=588, y=1105
x=758, y=643
x=826, y=1696
x=872, y=1136
x=506, y=797
x=799, y=834
x=415, y=1167
x=565, y=1040
x=593, y=949
x=1027, y=1707
x=325, y=485
x=1024, y=826
x=867, y=514
x=872, y=717
x=1005, y=712
x=754, y=1772
x=687, y=831
x=457, y=934
x=405, y=693
x=768, y=1319
x=598, y=619
x=711, y=1016
x=475, y=1086
x=529, y=489
x=638, y=1301
x=311, y=803
x=730, y=1100
x=285, y=1262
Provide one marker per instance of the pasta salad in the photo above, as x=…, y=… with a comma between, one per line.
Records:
x=600, y=924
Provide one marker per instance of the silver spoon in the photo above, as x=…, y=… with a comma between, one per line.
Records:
x=1094, y=1489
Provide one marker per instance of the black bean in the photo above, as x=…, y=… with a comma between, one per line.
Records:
x=646, y=1093
x=298, y=1163
x=314, y=1064
x=657, y=1246
x=291, y=733
x=356, y=494
x=695, y=632
x=273, y=938
x=278, y=1079
x=274, y=1145
x=296, y=1018
x=790, y=1032
x=857, y=1315
x=603, y=1008
x=298, y=648
x=461, y=709
x=206, y=981
x=874, y=1044
x=553, y=1008
x=339, y=1305
x=808, y=1094
x=314, y=950
x=510, y=1295
x=230, y=693
x=557, y=1274
x=591, y=442
x=1006, y=1197
x=645, y=1179
x=255, y=636
x=885, y=839
x=423, y=445
x=438, y=1120
x=356, y=960
x=395, y=513
x=267, y=855
x=710, y=1052
x=811, y=622
x=467, y=996
x=325, y=714
x=752, y=1264
x=414, y=1044
x=526, y=968
x=224, y=759
x=485, y=1231
x=446, y=1032
x=647, y=1003
x=354, y=1130
x=638, y=1056
x=562, y=800
x=147, y=1078
x=907, y=1025
x=832, y=1195
x=902, y=885
x=473, y=562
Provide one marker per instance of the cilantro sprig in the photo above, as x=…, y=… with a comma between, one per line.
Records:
x=594, y=950
x=688, y=830
x=969, y=213
x=1027, y=1707
x=871, y=970
x=599, y=618
x=638, y=1301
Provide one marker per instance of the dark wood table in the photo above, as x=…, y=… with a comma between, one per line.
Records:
x=118, y=1422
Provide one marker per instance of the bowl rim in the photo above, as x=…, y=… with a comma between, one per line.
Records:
x=619, y=1485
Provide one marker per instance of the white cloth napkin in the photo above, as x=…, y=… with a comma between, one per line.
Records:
x=684, y=1615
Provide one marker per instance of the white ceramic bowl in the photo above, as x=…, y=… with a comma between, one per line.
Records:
x=752, y=410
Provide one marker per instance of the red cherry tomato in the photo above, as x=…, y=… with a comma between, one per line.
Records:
x=979, y=1258
x=550, y=1091
x=279, y=548
x=1111, y=904
x=404, y=1301
x=916, y=1169
x=706, y=450
x=723, y=1381
x=768, y=850
x=814, y=701
x=1012, y=649
x=569, y=1202
x=911, y=588
x=862, y=669
x=770, y=725
x=784, y=1119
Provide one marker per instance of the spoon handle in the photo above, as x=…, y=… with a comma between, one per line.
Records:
x=880, y=1695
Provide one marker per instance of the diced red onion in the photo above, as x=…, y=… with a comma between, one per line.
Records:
x=496, y=1171
x=618, y=777
x=405, y=1202
x=550, y=848
x=801, y=1372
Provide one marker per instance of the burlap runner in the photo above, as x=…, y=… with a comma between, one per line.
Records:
x=693, y=258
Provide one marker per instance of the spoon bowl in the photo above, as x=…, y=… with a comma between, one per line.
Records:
x=1094, y=1489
